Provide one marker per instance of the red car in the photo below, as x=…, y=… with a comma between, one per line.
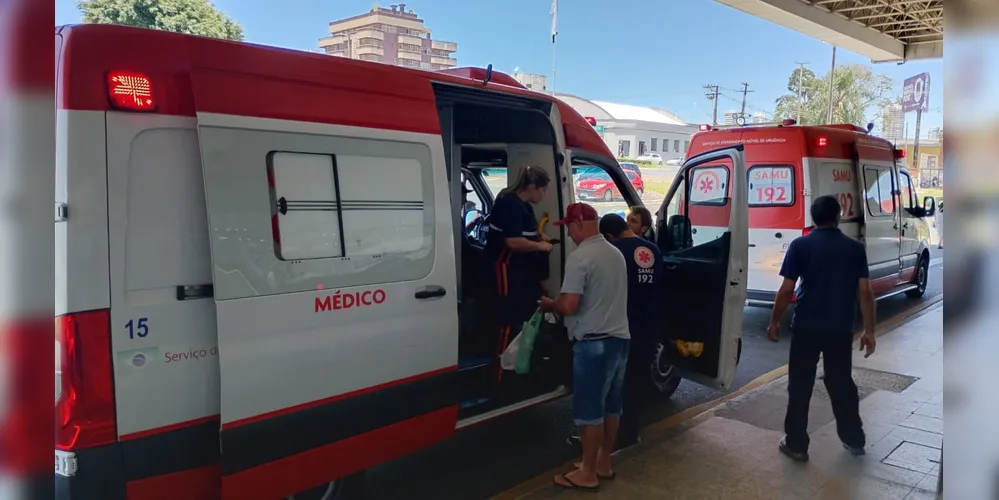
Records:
x=600, y=186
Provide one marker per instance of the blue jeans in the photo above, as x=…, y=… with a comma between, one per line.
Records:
x=598, y=368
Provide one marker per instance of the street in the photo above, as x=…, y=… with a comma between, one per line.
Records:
x=484, y=460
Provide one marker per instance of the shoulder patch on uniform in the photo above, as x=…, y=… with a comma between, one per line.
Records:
x=644, y=257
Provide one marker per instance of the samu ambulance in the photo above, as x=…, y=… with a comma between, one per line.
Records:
x=264, y=279
x=788, y=166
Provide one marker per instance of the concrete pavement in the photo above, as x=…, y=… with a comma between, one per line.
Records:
x=730, y=452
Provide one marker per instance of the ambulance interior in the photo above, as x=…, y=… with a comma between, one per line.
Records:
x=485, y=144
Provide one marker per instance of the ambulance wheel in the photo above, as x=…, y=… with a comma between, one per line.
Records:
x=665, y=380
x=348, y=488
x=608, y=195
x=921, y=278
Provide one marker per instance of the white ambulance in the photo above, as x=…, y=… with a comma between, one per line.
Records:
x=262, y=285
x=788, y=167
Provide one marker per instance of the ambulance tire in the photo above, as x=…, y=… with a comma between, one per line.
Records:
x=348, y=488
x=663, y=377
x=921, y=278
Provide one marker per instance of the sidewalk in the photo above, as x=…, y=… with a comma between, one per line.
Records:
x=730, y=452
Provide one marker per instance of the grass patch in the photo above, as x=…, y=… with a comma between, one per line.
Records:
x=658, y=187
x=934, y=192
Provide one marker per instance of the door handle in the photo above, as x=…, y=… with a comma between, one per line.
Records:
x=431, y=292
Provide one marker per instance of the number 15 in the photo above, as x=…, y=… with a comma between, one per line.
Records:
x=137, y=328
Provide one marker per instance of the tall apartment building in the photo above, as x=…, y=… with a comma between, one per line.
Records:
x=391, y=35
x=893, y=123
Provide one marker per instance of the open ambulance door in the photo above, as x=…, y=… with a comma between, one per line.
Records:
x=702, y=229
x=335, y=296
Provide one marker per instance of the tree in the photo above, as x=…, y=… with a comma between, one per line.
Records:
x=856, y=89
x=194, y=17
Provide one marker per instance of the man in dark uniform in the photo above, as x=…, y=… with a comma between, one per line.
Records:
x=833, y=271
x=645, y=269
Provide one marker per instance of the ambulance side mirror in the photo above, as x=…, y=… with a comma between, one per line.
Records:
x=930, y=206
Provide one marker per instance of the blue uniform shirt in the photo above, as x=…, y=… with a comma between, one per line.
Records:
x=645, y=271
x=830, y=265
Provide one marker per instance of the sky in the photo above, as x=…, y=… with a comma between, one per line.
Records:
x=643, y=52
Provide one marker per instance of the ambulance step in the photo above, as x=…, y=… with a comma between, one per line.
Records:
x=473, y=363
x=474, y=402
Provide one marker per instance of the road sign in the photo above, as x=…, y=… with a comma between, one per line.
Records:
x=600, y=129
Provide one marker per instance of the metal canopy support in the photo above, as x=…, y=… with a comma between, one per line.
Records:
x=883, y=30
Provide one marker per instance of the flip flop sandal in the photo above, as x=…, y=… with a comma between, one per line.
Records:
x=573, y=486
x=611, y=477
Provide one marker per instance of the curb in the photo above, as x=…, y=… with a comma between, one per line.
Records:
x=666, y=428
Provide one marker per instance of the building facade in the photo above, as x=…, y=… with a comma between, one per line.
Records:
x=391, y=35
x=893, y=123
x=532, y=81
x=631, y=131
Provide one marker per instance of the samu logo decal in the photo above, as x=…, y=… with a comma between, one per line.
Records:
x=644, y=257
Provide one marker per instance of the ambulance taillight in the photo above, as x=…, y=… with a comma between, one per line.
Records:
x=84, y=408
x=704, y=128
x=128, y=90
x=899, y=154
x=822, y=141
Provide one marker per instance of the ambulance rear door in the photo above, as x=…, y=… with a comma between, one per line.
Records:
x=702, y=230
x=334, y=286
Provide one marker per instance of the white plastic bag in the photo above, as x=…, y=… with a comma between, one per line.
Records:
x=508, y=360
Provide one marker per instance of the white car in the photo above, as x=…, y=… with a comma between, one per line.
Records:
x=675, y=163
x=652, y=158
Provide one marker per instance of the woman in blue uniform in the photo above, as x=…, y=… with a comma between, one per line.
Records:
x=518, y=252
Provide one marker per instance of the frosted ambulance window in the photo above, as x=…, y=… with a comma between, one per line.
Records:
x=709, y=186
x=771, y=186
x=383, y=205
x=305, y=211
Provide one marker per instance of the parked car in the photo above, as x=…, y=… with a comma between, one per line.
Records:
x=675, y=162
x=652, y=158
x=631, y=167
x=600, y=186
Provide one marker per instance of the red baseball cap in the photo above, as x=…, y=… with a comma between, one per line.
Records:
x=578, y=212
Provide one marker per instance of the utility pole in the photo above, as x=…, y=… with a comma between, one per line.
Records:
x=832, y=74
x=745, y=90
x=712, y=95
x=915, y=145
x=801, y=70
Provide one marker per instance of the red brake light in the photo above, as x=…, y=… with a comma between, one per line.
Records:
x=129, y=90
x=704, y=128
x=823, y=141
x=85, y=412
x=788, y=122
x=899, y=154
x=591, y=120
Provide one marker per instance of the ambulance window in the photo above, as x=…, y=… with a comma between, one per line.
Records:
x=382, y=205
x=905, y=183
x=878, y=191
x=710, y=186
x=305, y=200
x=771, y=185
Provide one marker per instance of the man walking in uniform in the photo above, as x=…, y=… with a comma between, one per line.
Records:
x=833, y=271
